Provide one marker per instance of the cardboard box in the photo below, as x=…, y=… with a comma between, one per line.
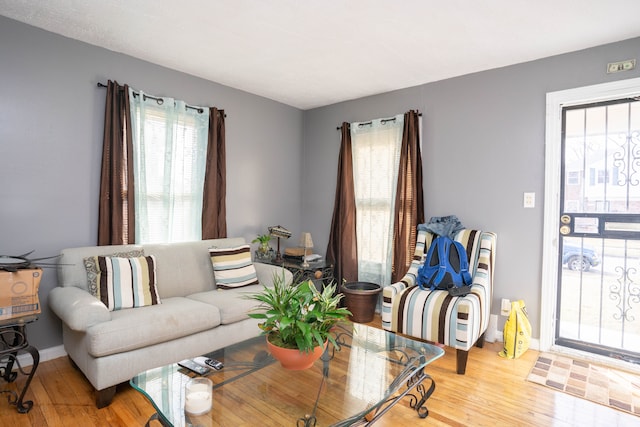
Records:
x=19, y=293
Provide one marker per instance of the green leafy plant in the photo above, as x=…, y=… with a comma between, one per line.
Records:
x=262, y=239
x=298, y=316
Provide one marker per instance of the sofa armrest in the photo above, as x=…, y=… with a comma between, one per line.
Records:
x=78, y=309
x=265, y=273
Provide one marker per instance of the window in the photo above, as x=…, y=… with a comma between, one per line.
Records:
x=573, y=178
x=603, y=176
x=376, y=155
x=169, y=155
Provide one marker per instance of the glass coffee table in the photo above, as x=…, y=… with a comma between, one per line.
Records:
x=352, y=384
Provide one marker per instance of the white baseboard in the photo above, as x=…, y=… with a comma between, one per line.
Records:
x=45, y=355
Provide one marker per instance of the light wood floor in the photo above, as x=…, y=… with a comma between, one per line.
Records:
x=494, y=392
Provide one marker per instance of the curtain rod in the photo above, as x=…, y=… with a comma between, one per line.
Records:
x=159, y=100
x=392, y=119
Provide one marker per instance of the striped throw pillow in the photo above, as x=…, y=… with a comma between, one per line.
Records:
x=127, y=282
x=91, y=265
x=232, y=267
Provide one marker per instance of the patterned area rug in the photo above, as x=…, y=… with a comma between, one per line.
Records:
x=610, y=387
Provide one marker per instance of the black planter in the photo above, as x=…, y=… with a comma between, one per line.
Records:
x=360, y=299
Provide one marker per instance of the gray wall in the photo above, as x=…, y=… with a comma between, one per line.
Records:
x=51, y=124
x=482, y=148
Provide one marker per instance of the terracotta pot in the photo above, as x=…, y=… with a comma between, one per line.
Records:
x=294, y=359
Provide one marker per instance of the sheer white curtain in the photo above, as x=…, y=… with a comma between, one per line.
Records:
x=169, y=154
x=376, y=156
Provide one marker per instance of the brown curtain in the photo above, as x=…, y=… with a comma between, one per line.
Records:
x=409, y=209
x=341, y=250
x=116, y=206
x=214, y=204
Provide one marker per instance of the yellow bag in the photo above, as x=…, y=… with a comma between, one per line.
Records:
x=517, y=332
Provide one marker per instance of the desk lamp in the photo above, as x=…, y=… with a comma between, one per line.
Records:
x=279, y=231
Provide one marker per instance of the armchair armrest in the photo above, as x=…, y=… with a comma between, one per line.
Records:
x=78, y=309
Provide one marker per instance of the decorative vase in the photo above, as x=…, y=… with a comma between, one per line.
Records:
x=264, y=254
x=294, y=359
x=264, y=248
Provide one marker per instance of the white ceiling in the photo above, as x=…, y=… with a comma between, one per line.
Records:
x=308, y=53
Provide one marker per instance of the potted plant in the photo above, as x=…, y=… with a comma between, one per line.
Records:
x=263, y=248
x=298, y=318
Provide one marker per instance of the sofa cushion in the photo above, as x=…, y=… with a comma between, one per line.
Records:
x=127, y=282
x=91, y=265
x=232, y=267
x=232, y=303
x=134, y=328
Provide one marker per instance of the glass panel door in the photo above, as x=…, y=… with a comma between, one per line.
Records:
x=598, y=306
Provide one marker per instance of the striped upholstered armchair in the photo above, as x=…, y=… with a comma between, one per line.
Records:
x=457, y=322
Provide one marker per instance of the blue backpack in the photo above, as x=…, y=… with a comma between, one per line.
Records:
x=446, y=267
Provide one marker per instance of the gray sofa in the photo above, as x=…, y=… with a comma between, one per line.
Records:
x=194, y=317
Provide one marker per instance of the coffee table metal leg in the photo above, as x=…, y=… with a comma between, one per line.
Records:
x=416, y=402
x=306, y=421
x=419, y=404
x=309, y=420
x=158, y=418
